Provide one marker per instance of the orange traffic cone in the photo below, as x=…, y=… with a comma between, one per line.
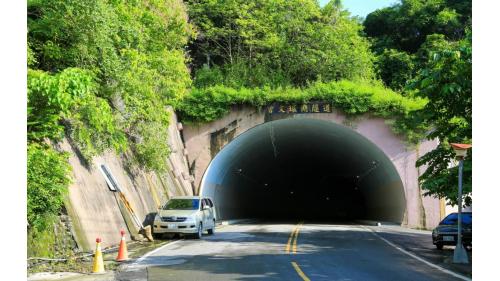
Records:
x=122, y=251
x=98, y=262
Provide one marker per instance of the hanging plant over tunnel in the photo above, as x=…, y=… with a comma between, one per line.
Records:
x=354, y=98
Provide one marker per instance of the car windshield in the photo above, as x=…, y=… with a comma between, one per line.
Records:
x=452, y=219
x=182, y=204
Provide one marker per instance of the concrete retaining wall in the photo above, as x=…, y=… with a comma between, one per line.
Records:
x=96, y=211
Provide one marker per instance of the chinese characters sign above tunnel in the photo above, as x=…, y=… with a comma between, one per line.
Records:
x=311, y=107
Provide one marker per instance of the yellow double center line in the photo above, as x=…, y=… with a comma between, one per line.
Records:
x=292, y=240
x=292, y=245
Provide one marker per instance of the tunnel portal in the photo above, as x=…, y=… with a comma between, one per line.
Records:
x=304, y=169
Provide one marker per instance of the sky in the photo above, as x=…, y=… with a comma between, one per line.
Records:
x=363, y=7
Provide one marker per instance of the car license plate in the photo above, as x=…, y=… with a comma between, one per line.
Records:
x=171, y=226
x=448, y=238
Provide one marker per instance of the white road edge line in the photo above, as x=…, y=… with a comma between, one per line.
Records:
x=156, y=250
x=419, y=258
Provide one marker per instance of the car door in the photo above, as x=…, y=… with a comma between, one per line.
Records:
x=205, y=213
x=212, y=211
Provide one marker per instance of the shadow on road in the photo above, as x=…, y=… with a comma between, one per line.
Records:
x=325, y=251
x=421, y=244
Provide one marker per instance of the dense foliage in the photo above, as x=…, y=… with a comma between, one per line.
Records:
x=404, y=31
x=406, y=25
x=135, y=50
x=395, y=68
x=47, y=182
x=210, y=103
x=69, y=97
x=423, y=48
x=276, y=43
x=447, y=83
x=101, y=73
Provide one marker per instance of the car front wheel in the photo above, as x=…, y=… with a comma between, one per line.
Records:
x=211, y=231
x=439, y=246
x=200, y=232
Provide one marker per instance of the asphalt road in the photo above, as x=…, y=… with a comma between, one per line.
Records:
x=285, y=252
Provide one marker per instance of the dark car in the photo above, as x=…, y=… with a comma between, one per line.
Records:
x=446, y=232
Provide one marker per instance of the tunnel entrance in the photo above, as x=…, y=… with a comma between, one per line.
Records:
x=304, y=169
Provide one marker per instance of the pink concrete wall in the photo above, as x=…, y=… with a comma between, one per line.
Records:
x=242, y=118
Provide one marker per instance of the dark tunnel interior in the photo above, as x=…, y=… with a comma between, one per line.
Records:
x=303, y=169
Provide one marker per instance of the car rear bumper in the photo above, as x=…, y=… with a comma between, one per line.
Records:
x=174, y=227
x=439, y=239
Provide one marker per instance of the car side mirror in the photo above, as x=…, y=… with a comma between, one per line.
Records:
x=206, y=207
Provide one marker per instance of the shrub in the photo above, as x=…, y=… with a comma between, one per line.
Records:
x=48, y=180
x=71, y=95
x=208, y=104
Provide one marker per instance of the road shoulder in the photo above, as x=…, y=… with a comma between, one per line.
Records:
x=419, y=243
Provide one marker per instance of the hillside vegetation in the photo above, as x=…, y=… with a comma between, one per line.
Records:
x=424, y=48
x=101, y=73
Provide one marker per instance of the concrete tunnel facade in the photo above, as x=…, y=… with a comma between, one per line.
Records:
x=304, y=169
x=315, y=166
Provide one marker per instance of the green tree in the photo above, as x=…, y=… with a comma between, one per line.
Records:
x=48, y=179
x=404, y=34
x=143, y=106
x=396, y=68
x=446, y=82
x=91, y=34
x=406, y=25
x=434, y=43
x=135, y=53
x=101, y=73
x=69, y=97
x=264, y=42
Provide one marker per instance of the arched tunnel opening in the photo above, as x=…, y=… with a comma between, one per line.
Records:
x=304, y=169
